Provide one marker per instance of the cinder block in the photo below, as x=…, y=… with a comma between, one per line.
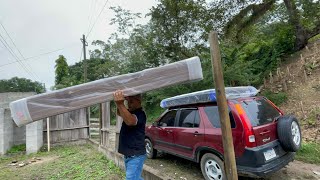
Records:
x=6, y=98
x=10, y=134
x=6, y=133
x=34, y=136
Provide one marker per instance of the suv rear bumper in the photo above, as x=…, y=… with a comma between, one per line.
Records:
x=253, y=162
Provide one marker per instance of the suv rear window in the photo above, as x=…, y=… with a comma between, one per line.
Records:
x=259, y=111
x=214, y=117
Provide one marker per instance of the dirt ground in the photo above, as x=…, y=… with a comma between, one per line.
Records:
x=179, y=168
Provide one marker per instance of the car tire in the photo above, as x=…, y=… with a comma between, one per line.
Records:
x=151, y=152
x=212, y=167
x=289, y=133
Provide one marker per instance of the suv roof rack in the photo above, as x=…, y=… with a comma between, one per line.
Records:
x=208, y=96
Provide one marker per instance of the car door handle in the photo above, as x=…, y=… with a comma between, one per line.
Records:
x=264, y=132
x=169, y=131
x=197, y=133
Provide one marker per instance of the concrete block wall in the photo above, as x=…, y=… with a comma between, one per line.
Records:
x=2, y=142
x=34, y=136
x=10, y=134
x=6, y=131
x=19, y=133
x=6, y=98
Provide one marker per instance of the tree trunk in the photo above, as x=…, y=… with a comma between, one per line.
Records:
x=301, y=38
x=300, y=32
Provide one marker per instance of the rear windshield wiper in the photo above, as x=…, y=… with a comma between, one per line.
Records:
x=245, y=102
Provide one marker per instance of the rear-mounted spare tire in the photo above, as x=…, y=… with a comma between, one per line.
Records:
x=289, y=133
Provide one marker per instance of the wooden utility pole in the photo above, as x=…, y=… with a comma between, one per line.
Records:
x=229, y=156
x=84, y=43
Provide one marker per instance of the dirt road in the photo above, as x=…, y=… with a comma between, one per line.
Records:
x=179, y=168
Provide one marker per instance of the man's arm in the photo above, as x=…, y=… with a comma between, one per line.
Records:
x=128, y=118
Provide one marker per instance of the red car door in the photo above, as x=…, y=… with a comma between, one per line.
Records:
x=165, y=127
x=189, y=133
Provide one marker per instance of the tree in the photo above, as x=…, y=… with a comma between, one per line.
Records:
x=254, y=11
x=61, y=72
x=180, y=27
x=16, y=84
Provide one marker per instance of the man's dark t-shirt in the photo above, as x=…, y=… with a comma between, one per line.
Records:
x=131, y=139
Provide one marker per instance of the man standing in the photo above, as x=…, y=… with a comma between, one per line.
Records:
x=132, y=134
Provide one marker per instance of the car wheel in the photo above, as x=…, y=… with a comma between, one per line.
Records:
x=151, y=153
x=289, y=133
x=212, y=167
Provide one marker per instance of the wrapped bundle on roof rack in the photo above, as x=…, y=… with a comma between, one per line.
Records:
x=34, y=108
x=208, y=96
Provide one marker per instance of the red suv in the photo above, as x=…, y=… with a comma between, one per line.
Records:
x=264, y=139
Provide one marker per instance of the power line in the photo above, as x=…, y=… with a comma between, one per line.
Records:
x=37, y=77
x=21, y=63
x=90, y=15
x=6, y=45
x=32, y=57
x=105, y=4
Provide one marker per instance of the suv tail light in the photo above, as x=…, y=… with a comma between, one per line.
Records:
x=250, y=139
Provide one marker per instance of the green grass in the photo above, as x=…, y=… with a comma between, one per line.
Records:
x=313, y=117
x=313, y=39
x=309, y=153
x=62, y=162
x=17, y=149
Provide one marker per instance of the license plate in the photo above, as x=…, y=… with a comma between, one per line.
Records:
x=269, y=154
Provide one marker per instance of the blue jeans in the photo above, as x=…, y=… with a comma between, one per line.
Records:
x=134, y=166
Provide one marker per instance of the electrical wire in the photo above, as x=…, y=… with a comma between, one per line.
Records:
x=34, y=74
x=6, y=45
x=105, y=4
x=90, y=15
x=32, y=57
x=19, y=61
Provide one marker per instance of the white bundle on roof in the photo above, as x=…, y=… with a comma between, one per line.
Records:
x=208, y=96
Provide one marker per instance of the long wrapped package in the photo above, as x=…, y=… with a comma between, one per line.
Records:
x=40, y=106
x=208, y=96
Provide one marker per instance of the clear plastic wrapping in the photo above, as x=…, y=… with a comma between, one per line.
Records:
x=40, y=106
x=208, y=96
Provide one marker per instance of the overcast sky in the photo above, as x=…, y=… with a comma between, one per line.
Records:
x=40, y=26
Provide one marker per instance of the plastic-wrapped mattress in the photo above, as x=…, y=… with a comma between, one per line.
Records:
x=208, y=96
x=37, y=107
